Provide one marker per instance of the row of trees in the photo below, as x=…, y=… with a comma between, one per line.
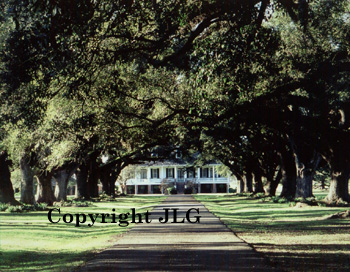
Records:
x=293, y=110
x=93, y=86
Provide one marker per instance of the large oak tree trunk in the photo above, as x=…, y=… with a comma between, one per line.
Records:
x=44, y=190
x=304, y=182
x=306, y=162
x=288, y=172
x=82, y=175
x=272, y=184
x=93, y=179
x=248, y=183
x=240, y=185
x=258, y=185
x=339, y=186
x=112, y=180
x=7, y=195
x=109, y=175
x=305, y=174
x=115, y=174
x=62, y=178
x=105, y=176
x=27, y=183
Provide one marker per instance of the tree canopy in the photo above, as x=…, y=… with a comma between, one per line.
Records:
x=261, y=86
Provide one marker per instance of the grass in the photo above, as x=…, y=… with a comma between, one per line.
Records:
x=29, y=242
x=293, y=239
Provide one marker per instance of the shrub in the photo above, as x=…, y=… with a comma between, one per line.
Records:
x=14, y=209
x=173, y=191
x=232, y=191
x=277, y=199
x=322, y=204
x=3, y=207
x=28, y=208
x=188, y=191
x=40, y=207
x=81, y=204
x=73, y=203
x=259, y=195
x=105, y=197
x=245, y=194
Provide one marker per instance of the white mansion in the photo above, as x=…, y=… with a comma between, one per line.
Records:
x=155, y=177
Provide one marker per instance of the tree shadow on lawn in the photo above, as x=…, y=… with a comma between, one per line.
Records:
x=41, y=261
x=23, y=214
x=269, y=215
x=294, y=257
x=63, y=230
x=336, y=226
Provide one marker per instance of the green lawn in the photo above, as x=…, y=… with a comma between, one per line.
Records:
x=295, y=239
x=29, y=242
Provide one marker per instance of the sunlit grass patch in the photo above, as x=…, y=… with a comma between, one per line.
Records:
x=29, y=242
x=296, y=239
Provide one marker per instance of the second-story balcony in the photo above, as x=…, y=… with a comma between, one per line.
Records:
x=156, y=181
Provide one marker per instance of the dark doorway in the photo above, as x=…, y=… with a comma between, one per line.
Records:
x=221, y=188
x=130, y=189
x=142, y=189
x=206, y=188
x=156, y=189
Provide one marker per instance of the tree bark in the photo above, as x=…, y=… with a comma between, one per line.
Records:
x=306, y=163
x=44, y=190
x=258, y=185
x=288, y=172
x=82, y=174
x=248, y=183
x=27, y=188
x=92, y=181
x=272, y=184
x=7, y=195
x=115, y=175
x=105, y=176
x=339, y=186
x=305, y=174
x=240, y=185
x=303, y=182
x=113, y=178
x=62, y=178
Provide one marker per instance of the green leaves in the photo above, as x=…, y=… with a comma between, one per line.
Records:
x=119, y=77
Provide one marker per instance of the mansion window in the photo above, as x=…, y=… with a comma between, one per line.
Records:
x=155, y=173
x=206, y=172
x=180, y=173
x=170, y=173
x=218, y=175
x=191, y=173
x=143, y=173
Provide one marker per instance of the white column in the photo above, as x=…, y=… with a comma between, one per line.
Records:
x=136, y=191
x=199, y=172
x=214, y=174
x=162, y=172
x=175, y=172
